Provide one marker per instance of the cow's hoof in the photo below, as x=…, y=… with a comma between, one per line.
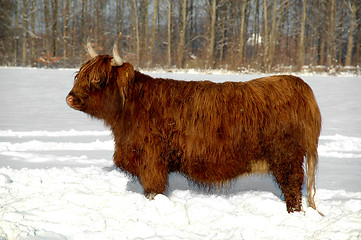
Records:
x=150, y=196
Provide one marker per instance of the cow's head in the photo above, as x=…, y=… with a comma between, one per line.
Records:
x=100, y=86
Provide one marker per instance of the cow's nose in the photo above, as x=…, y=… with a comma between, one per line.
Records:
x=70, y=100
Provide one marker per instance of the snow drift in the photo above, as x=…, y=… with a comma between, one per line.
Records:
x=97, y=203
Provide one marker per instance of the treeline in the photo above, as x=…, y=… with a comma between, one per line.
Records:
x=260, y=35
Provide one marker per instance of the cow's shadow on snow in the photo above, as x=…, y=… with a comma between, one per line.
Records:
x=176, y=181
x=243, y=184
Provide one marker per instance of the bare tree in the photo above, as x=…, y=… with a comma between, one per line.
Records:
x=120, y=15
x=322, y=33
x=223, y=21
x=358, y=38
x=169, y=35
x=32, y=37
x=6, y=32
x=73, y=28
x=54, y=28
x=352, y=7
x=258, y=34
x=25, y=30
x=47, y=28
x=16, y=41
x=182, y=34
x=272, y=38
x=143, y=32
x=301, y=45
x=154, y=31
x=99, y=21
x=212, y=34
x=265, y=35
x=65, y=31
x=83, y=21
x=136, y=28
x=330, y=50
x=242, y=30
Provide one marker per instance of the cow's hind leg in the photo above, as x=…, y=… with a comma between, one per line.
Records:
x=289, y=175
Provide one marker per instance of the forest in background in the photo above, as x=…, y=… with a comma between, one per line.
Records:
x=240, y=35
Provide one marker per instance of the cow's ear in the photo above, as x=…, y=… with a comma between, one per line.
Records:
x=125, y=78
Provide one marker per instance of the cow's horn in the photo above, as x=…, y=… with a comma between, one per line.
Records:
x=90, y=49
x=117, y=60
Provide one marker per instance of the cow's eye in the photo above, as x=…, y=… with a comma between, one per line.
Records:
x=98, y=82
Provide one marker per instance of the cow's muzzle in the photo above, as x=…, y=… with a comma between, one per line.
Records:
x=70, y=100
x=75, y=102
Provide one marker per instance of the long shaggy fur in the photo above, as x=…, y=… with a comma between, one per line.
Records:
x=210, y=132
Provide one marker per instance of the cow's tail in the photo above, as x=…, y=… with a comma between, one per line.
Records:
x=311, y=166
x=313, y=131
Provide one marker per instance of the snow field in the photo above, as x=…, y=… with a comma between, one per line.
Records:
x=103, y=203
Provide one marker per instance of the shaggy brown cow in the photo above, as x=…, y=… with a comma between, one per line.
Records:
x=210, y=132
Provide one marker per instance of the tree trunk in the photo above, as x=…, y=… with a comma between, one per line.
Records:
x=120, y=14
x=25, y=29
x=242, y=37
x=32, y=49
x=99, y=25
x=136, y=26
x=301, y=45
x=47, y=28
x=154, y=32
x=55, y=26
x=331, y=35
x=7, y=40
x=256, y=34
x=143, y=33
x=350, y=34
x=65, y=31
x=358, y=40
x=265, y=36
x=322, y=34
x=169, y=37
x=182, y=34
x=212, y=35
x=193, y=26
x=16, y=41
x=312, y=36
x=272, y=37
x=83, y=21
x=223, y=17
x=74, y=39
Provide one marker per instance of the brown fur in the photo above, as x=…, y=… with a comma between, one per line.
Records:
x=210, y=132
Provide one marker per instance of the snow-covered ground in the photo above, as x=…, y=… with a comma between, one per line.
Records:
x=57, y=180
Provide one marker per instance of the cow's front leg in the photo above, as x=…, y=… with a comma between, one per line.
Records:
x=154, y=179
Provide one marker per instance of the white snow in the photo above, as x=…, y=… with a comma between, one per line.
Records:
x=57, y=180
x=63, y=133
x=339, y=146
x=49, y=146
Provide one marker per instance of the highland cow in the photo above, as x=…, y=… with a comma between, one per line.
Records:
x=209, y=132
